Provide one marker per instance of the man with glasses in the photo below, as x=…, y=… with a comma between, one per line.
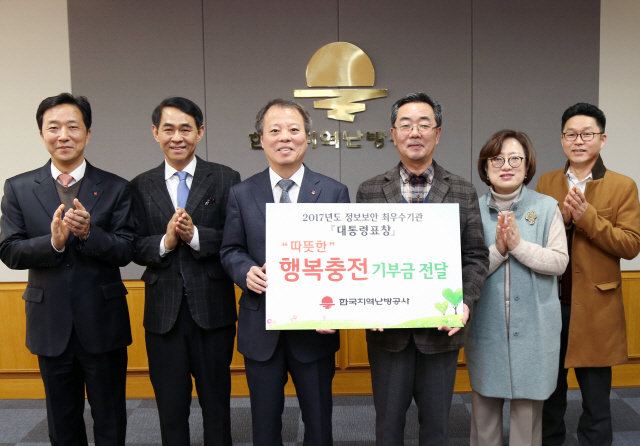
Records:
x=421, y=363
x=602, y=219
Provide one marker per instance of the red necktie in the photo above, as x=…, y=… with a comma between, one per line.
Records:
x=65, y=179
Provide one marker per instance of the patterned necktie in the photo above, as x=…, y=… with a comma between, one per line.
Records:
x=65, y=179
x=183, y=189
x=417, y=180
x=285, y=185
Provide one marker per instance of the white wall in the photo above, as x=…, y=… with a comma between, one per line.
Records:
x=35, y=64
x=620, y=89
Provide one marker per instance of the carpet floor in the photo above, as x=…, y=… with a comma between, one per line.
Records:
x=23, y=422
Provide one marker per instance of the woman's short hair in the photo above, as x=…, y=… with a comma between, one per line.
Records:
x=493, y=147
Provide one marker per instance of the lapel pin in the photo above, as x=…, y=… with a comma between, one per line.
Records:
x=95, y=193
x=313, y=192
x=531, y=217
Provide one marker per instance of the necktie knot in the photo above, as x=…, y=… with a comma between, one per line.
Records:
x=417, y=180
x=65, y=179
x=285, y=185
x=182, y=175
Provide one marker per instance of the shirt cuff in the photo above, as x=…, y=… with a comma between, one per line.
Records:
x=164, y=251
x=195, y=241
x=56, y=249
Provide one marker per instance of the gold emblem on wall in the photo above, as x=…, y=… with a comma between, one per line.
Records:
x=340, y=64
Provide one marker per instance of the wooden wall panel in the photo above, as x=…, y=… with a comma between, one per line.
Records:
x=20, y=377
x=631, y=294
x=14, y=356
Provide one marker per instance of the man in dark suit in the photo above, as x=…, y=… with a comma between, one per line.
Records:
x=77, y=315
x=190, y=307
x=309, y=356
x=421, y=363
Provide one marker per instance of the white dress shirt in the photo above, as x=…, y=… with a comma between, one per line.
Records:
x=172, y=181
x=295, y=189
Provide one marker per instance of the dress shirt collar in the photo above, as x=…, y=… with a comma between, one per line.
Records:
x=406, y=175
x=572, y=180
x=170, y=171
x=77, y=174
x=296, y=177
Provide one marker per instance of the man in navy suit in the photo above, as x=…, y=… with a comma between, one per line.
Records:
x=69, y=224
x=190, y=306
x=308, y=356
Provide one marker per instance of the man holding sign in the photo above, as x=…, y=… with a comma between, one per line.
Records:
x=421, y=363
x=308, y=356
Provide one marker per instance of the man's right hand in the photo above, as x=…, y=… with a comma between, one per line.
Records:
x=171, y=238
x=257, y=279
x=59, y=231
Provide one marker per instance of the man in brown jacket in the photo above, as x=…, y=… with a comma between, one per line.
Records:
x=602, y=219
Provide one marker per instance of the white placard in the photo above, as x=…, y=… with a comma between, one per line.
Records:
x=363, y=266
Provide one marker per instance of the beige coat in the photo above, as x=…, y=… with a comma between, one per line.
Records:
x=607, y=231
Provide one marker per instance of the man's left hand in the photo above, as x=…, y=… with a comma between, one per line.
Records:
x=465, y=319
x=78, y=220
x=325, y=331
x=184, y=225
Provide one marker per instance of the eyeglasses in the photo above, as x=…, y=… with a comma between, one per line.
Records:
x=571, y=136
x=422, y=128
x=514, y=161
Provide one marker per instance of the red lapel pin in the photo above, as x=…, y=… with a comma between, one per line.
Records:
x=313, y=192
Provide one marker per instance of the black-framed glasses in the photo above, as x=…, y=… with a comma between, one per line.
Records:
x=422, y=128
x=588, y=136
x=514, y=161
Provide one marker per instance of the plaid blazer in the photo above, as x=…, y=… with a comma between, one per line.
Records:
x=446, y=188
x=210, y=291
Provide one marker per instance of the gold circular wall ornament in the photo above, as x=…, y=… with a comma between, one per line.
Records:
x=340, y=64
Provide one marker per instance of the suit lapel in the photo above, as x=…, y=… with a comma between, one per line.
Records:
x=90, y=191
x=262, y=192
x=45, y=191
x=310, y=189
x=392, y=189
x=199, y=186
x=439, y=187
x=159, y=193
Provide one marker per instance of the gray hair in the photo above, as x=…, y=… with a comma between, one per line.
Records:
x=417, y=97
x=283, y=103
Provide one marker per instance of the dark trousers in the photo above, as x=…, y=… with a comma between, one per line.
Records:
x=313, y=381
x=65, y=378
x=398, y=377
x=174, y=357
x=594, y=426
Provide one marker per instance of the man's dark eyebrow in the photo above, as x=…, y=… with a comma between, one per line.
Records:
x=184, y=124
x=57, y=121
x=427, y=118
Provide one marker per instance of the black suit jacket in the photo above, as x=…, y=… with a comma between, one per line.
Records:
x=80, y=287
x=210, y=292
x=244, y=246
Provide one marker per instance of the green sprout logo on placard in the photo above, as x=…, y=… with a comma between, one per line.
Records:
x=454, y=297
x=442, y=307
